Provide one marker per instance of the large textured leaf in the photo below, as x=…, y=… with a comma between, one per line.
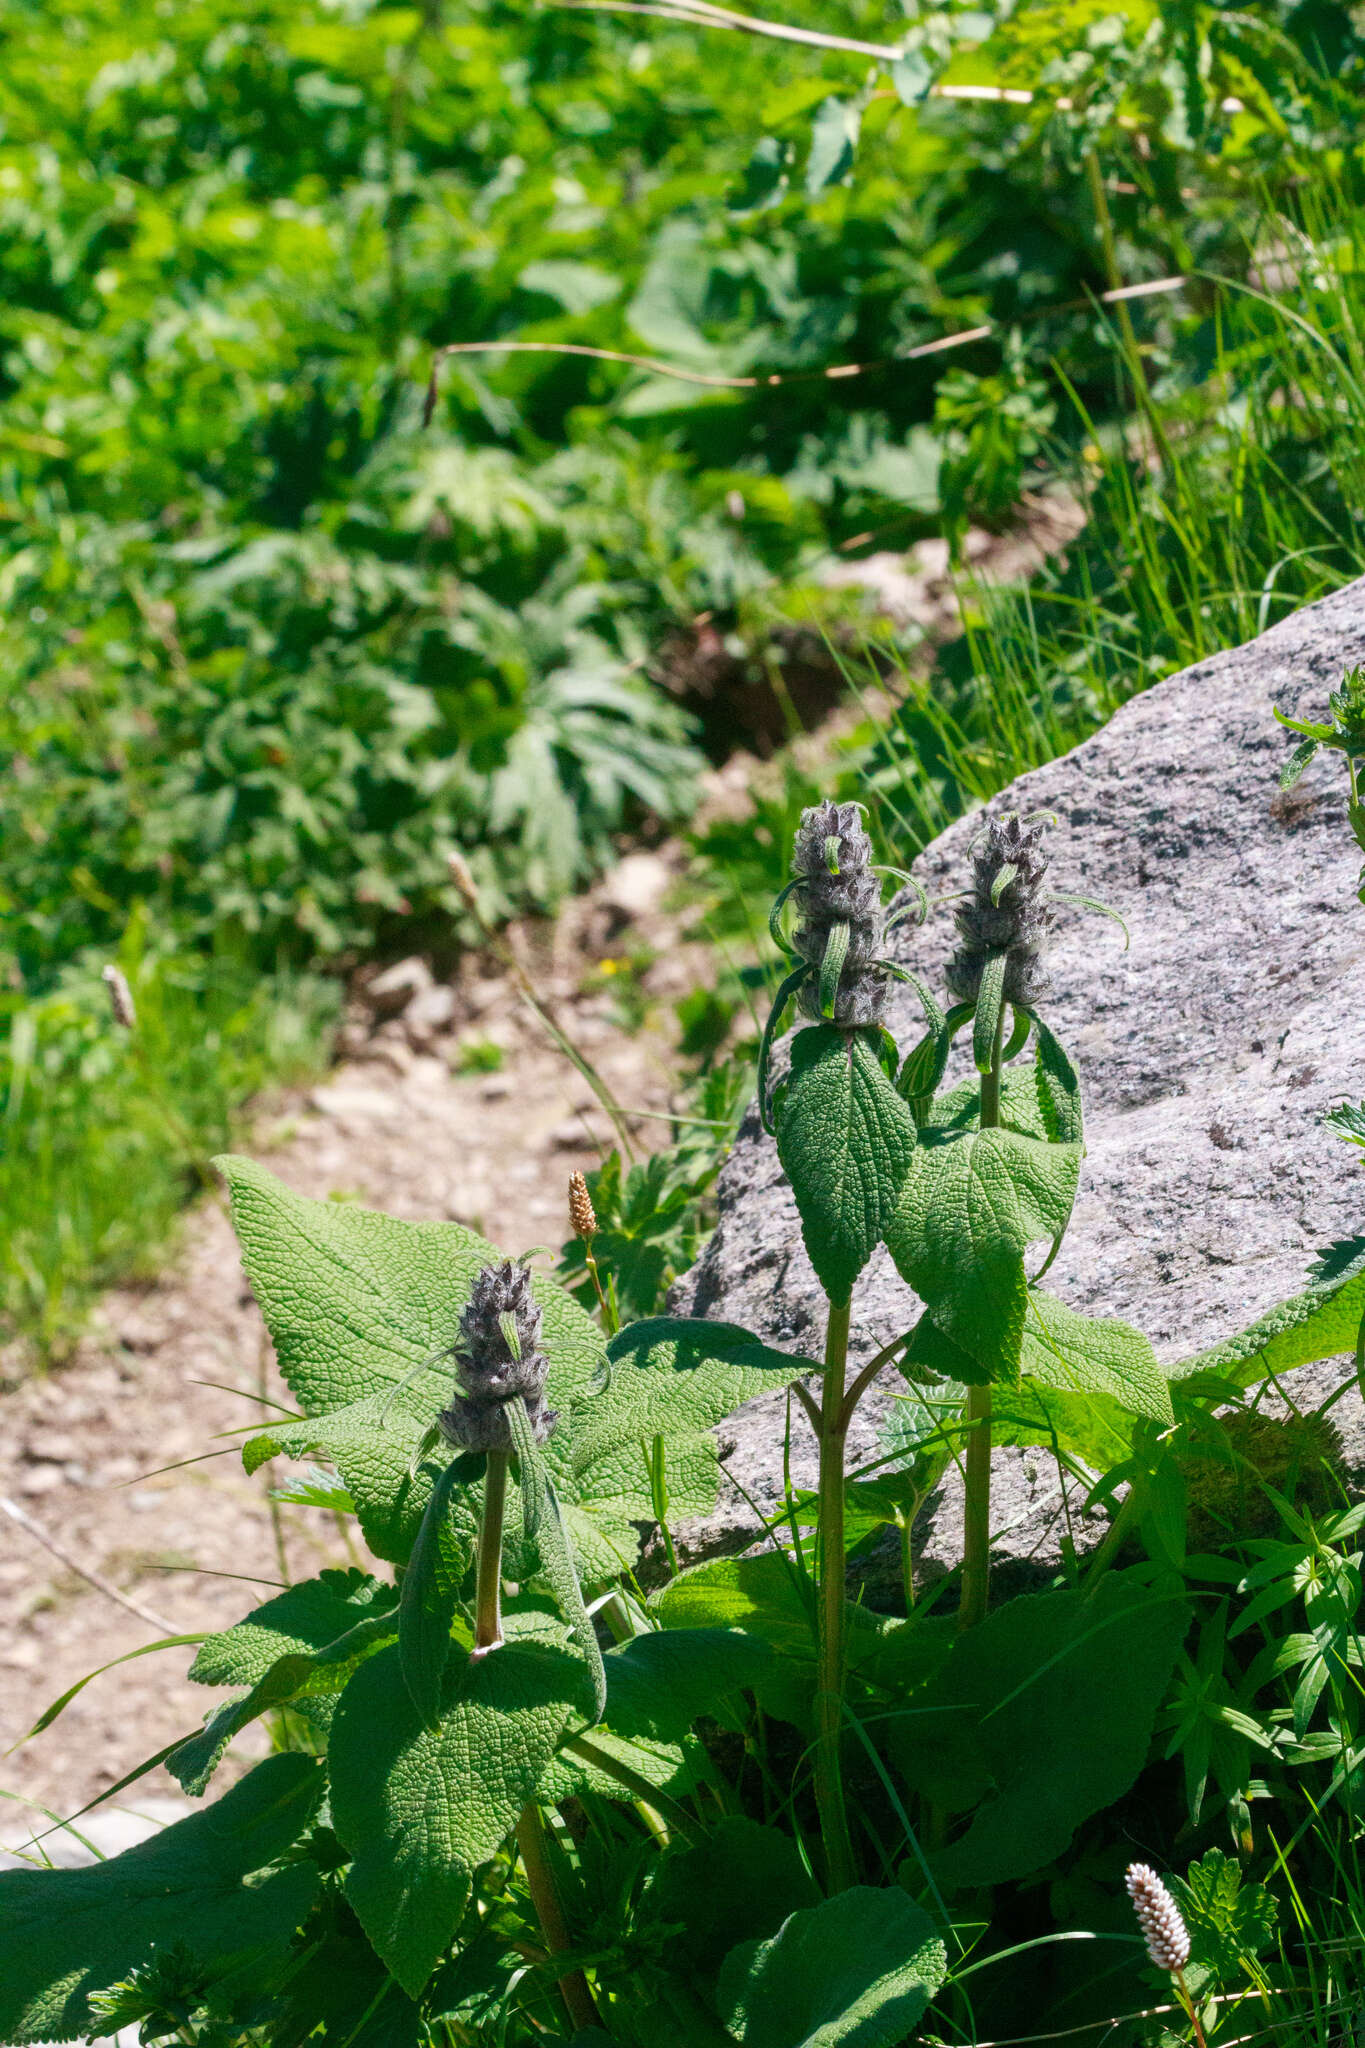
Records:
x=300, y=1675
x=1083, y=1378
x=66, y=1933
x=1041, y=1716
x=419, y=1809
x=676, y=1376
x=738, y=1883
x=431, y=1588
x=845, y=1139
x=658, y=1684
x=857, y=1970
x=355, y=1302
x=971, y=1204
x=543, y=1520
x=307, y=1617
x=1322, y=1322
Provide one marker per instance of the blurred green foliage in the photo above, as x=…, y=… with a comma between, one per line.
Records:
x=268, y=647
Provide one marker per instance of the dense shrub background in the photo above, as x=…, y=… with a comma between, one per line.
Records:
x=267, y=647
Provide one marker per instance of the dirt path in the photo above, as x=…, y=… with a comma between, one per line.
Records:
x=397, y=1125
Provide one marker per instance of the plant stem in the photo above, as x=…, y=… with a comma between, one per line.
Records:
x=976, y=1514
x=829, y=1684
x=540, y=1880
x=1184, y=1991
x=976, y=1518
x=488, y=1581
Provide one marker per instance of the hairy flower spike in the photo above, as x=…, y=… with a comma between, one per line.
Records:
x=1163, y=1930
x=1008, y=912
x=120, y=997
x=832, y=859
x=497, y=1359
x=582, y=1215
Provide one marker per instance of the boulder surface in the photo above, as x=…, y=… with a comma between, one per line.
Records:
x=1209, y=1052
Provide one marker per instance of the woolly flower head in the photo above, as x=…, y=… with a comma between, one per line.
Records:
x=1163, y=1930
x=497, y=1359
x=832, y=860
x=1007, y=911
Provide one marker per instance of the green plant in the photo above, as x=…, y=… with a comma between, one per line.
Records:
x=762, y=1813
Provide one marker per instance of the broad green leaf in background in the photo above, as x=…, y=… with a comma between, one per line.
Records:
x=307, y=1617
x=657, y=1684
x=1322, y=1322
x=1026, y=1723
x=66, y=1933
x=833, y=143
x=676, y=1376
x=970, y=1206
x=765, y=178
x=858, y=1969
x=421, y=1810
x=845, y=1139
x=738, y=1883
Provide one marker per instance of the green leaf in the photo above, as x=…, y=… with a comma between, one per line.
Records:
x=845, y=1139
x=971, y=1204
x=300, y=1676
x=833, y=141
x=1026, y=1724
x=1322, y=1322
x=431, y=1589
x=355, y=1303
x=677, y=1376
x=738, y=1883
x=658, y=1684
x=912, y=74
x=66, y=1933
x=1229, y=1921
x=765, y=178
x=544, y=1522
x=858, y=1969
x=305, y=1619
x=1058, y=1085
x=420, y=1809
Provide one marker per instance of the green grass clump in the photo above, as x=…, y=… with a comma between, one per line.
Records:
x=104, y=1132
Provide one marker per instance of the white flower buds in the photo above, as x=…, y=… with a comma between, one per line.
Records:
x=1163, y=1930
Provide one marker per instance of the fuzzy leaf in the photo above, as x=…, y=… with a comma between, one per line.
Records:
x=66, y=1933
x=658, y=1684
x=676, y=1376
x=354, y=1302
x=431, y=1588
x=302, y=1676
x=420, y=1809
x=971, y=1205
x=1322, y=1322
x=1026, y=1723
x=306, y=1618
x=544, y=1521
x=858, y=1969
x=845, y=1139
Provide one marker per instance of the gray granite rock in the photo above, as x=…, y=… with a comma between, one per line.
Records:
x=1208, y=1053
